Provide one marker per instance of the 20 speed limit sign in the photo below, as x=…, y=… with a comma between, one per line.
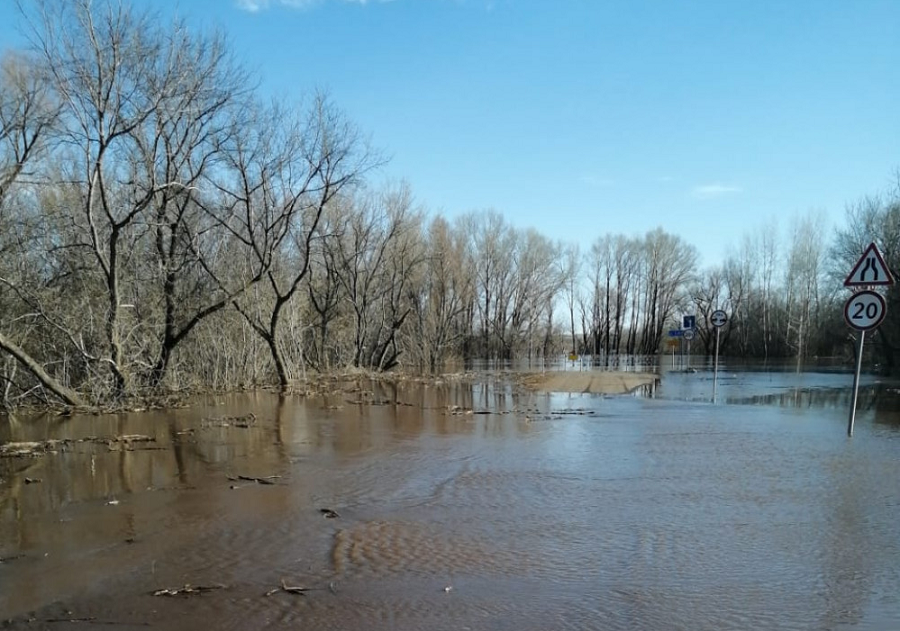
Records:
x=865, y=310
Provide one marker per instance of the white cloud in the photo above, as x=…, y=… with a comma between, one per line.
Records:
x=255, y=6
x=252, y=5
x=711, y=191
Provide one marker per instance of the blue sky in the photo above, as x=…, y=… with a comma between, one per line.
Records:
x=585, y=117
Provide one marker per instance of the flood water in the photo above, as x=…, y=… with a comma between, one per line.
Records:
x=465, y=506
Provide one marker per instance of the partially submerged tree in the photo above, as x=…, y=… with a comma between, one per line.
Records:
x=286, y=170
x=28, y=114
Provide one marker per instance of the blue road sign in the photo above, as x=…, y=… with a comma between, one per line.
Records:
x=676, y=333
x=689, y=322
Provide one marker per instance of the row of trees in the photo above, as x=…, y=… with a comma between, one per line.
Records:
x=783, y=290
x=163, y=227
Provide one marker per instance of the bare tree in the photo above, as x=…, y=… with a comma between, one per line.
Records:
x=287, y=171
x=492, y=246
x=540, y=273
x=377, y=253
x=440, y=299
x=28, y=113
x=670, y=264
x=325, y=293
x=572, y=268
x=139, y=103
x=803, y=272
x=180, y=151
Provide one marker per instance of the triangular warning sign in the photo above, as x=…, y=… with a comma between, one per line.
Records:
x=870, y=269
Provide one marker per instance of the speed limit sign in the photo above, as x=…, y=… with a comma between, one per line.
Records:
x=865, y=310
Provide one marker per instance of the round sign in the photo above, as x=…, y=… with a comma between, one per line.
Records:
x=689, y=334
x=865, y=310
x=718, y=318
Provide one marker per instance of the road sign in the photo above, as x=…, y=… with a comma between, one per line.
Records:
x=672, y=342
x=865, y=310
x=718, y=318
x=689, y=322
x=870, y=269
x=676, y=333
x=689, y=334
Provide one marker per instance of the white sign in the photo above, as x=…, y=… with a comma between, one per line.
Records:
x=718, y=318
x=865, y=310
x=870, y=269
x=689, y=334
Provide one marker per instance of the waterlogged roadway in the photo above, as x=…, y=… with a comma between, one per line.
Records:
x=462, y=506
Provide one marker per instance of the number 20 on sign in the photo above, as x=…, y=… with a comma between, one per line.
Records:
x=865, y=309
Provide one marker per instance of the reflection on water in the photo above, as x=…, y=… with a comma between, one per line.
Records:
x=464, y=506
x=829, y=389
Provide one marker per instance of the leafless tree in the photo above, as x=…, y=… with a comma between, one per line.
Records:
x=440, y=297
x=287, y=170
x=670, y=264
x=378, y=252
x=28, y=113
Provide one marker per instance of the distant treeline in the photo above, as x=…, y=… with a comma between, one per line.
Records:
x=163, y=227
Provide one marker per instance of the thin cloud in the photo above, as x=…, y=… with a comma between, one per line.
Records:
x=252, y=6
x=255, y=6
x=712, y=191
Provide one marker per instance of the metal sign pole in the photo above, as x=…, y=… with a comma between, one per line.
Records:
x=859, y=353
x=866, y=309
x=716, y=366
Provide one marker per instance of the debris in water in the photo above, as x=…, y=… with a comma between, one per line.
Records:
x=328, y=513
x=188, y=590
x=245, y=421
x=249, y=478
x=30, y=449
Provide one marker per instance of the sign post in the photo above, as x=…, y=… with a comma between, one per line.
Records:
x=718, y=319
x=672, y=343
x=865, y=310
x=674, y=334
x=688, y=336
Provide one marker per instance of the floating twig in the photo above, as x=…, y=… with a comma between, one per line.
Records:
x=259, y=480
x=95, y=621
x=293, y=589
x=188, y=590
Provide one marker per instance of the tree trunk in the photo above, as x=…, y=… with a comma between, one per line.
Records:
x=67, y=395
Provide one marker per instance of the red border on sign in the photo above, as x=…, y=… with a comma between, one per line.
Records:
x=871, y=326
x=872, y=249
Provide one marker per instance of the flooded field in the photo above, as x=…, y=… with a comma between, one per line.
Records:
x=461, y=506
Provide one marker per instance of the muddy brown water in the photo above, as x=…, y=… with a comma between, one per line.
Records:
x=461, y=506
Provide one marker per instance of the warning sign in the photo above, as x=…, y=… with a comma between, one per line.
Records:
x=870, y=270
